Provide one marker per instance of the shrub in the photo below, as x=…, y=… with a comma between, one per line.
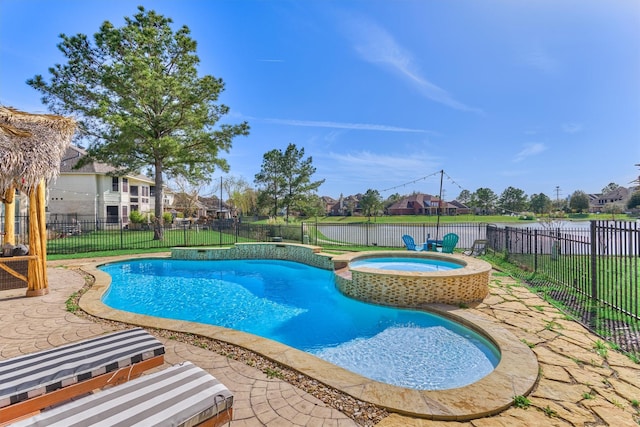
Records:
x=137, y=217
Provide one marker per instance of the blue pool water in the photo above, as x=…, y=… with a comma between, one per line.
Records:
x=299, y=305
x=405, y=264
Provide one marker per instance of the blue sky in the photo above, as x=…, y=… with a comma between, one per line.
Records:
x=539, y=95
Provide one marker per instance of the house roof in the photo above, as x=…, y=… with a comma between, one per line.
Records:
x=72, y=156
x=410, y=201
x=31, y=147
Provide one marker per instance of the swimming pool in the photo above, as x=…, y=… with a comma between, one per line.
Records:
x=299, y=306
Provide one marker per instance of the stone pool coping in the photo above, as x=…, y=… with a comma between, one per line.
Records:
x=516, y=373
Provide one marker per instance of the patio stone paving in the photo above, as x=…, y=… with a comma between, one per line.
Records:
x=578, y=386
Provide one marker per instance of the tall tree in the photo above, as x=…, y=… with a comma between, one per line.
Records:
x=286, y=179
x=540, y=203
x=513, y=200
x=464, y=196
x=271, y=182
x=634, y=201
x=579, y=201
x=371, y=203
x=241, y=197
x=311, y=206
x=297, y=175
x=484, y=199
x=612, y=186
x=140, y=103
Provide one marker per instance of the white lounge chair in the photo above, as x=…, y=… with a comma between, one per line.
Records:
x=183, y=395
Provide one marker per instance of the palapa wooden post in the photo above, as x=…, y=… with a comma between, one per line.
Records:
x=10, y=216
x=37, y=277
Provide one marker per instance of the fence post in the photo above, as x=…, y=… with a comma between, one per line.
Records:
x=120, y=223
x=184, y=233
x=366, y=229
x=535, y=250
x=506, y=243
x=594, y=262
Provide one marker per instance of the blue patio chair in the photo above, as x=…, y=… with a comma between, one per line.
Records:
x=411, y=244
x=449, y=242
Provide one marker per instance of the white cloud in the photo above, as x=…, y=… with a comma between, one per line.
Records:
x=358, y=171
x=530, y=150
x=374, y=44
x=538, y=58
x=572, y=127
x=340, y=125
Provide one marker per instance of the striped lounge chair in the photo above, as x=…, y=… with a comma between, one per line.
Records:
x=32, y=382
x=182, y=395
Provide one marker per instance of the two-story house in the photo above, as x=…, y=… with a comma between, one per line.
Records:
x=91, y=192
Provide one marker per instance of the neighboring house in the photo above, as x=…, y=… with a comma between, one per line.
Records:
x=460, y=208
x=415, y=204
x=90, y=192
x=346, y=206
x=214, y=208
x=619, y=196
x=328, y=203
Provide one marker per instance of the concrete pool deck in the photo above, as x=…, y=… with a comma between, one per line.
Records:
x=577, y=386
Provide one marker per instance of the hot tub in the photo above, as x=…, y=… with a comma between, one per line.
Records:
x=466, y=284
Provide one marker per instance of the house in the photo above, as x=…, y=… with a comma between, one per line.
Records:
x=347, y=206
x=618, y=196
x=328, y=203
x=91, y=193
x=415, y=204
x=215, y=208
x=460, y=208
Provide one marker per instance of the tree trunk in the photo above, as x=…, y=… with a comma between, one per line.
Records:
x=158, y=229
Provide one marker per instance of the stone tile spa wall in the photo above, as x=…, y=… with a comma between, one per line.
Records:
x=304, y=254
x=414, y=289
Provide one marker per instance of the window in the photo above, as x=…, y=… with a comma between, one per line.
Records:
x=125, y=185
x=145, y=194
x=125, y=214
x=115, y=184
x=133, y=198
x=112, y=214
x=152, y=190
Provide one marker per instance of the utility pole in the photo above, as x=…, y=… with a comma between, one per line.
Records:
x=557, y=198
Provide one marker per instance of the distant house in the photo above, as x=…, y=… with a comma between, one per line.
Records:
x=214, y=208
x=328, y=203
x=90, y=192
x=461, y=208
x=620, y=196
x=426, y=204
x=346, y=206
x=415, y=204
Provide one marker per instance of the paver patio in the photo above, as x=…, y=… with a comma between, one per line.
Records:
x=580, y=383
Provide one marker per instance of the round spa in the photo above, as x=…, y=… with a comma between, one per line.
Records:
x=411, y=279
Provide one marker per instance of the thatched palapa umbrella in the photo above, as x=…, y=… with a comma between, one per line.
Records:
x=31, y=148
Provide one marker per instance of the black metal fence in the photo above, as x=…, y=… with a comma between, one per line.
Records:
x=69, y=235
x=337, y=235
x=594, y=272
x=76, y=235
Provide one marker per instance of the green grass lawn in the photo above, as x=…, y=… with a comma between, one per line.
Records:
x=431, y=219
